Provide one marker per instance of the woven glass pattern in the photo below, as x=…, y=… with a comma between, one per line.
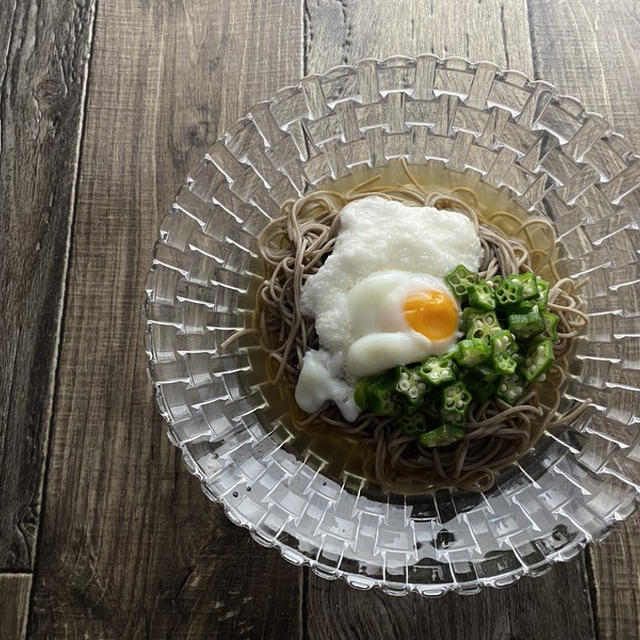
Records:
x=562, y=162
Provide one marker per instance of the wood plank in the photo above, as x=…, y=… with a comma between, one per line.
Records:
x=521, y=611
x=130, y=546
x=44, y=48
x=343, y=31
x=589, y=49
x=14, y=604
x=540, y=608
x=616, y=583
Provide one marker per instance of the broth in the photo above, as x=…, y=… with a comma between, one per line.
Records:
x=342, y=456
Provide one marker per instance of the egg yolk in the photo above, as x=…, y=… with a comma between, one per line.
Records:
x=431, y=313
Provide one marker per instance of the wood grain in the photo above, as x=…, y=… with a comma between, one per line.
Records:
x=343, y=31
x=589, y=50
x=130, y=547
x=522, y=611
x=529, y=609
x=14, y=604
x=44, y=48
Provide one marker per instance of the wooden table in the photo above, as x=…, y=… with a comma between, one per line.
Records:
x=104, y=107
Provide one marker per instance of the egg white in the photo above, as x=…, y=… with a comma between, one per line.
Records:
x=381, y=338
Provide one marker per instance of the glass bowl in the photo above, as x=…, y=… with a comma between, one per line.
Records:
x=559, y=161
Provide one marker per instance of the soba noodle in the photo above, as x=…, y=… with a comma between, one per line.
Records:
x=295, y=245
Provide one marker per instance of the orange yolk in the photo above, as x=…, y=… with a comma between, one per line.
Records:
x=431, y=313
